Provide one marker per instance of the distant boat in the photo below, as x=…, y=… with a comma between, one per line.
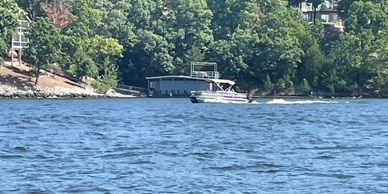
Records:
x=221, y=92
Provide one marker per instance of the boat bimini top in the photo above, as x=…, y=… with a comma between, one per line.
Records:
x=222, y=84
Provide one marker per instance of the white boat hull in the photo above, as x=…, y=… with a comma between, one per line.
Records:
x=219, y=97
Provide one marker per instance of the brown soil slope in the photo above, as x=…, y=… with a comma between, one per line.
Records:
x=18, y=81
x=21, y=77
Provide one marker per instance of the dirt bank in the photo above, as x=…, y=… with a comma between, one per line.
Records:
x=18, y=82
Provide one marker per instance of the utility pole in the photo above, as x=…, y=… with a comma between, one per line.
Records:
x=21, y=46
x=12, y=50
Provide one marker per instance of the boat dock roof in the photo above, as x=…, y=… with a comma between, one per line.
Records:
x=221, y=81
x=175, y=77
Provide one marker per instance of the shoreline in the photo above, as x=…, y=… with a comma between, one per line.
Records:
x=18, y=82
x=15, y=93
x=59, y=96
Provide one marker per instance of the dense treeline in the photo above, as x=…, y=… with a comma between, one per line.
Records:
x=263, y=44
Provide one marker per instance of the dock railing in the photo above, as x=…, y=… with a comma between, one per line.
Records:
x=205, y=74
x=204, y=70
x=126, y=87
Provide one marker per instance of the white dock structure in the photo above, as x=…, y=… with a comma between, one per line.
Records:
x=20, y=41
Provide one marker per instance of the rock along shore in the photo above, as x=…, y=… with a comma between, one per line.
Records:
x=18, y=82
x=14, y=92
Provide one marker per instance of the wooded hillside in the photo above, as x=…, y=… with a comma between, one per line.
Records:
x=263, y=44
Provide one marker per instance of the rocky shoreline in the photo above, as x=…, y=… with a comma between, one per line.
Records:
x=10, y=92
x=18, y=82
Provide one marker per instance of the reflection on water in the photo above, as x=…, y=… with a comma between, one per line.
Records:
x=171, y=145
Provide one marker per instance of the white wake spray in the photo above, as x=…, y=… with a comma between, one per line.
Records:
x=282, y=101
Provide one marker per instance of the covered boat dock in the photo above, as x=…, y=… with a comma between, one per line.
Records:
x=175, y=85
x=180, y=85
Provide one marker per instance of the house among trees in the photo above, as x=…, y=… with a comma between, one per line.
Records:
x=326, y=12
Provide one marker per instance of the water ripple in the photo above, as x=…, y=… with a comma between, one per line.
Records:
x=173, y=146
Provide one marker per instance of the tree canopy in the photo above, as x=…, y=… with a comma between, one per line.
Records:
x=264, y=44
x=10, y=14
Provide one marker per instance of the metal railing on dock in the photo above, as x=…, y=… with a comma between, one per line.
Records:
x=122, y=86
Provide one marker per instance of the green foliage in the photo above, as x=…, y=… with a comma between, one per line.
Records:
x=107, y=81
x=32, y=7
x=295, y=2
x=281, y=85
x=263, y=44
x=359, y=56
x=364, y=15
x=106, y=48
x=268, y=85
x=306, y=86
x=280, y=49
x=230, y=16
x=85, y=66
x=9, y=20
x=44, y=46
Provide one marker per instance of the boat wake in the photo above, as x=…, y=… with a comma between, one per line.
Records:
x=282, y=101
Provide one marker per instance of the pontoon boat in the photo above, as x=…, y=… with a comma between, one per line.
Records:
x=221, y=91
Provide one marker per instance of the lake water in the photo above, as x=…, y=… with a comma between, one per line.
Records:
x=173, y=146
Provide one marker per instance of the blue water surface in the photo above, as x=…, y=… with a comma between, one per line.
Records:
x=173, y=146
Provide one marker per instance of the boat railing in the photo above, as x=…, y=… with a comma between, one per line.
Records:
x=217, y=92
x=205, y=74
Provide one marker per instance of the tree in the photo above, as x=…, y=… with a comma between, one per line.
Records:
x=9, y=20
x=105, y=52
x=281, y=49
x=189, y=23
x=89, y=18
x=267, y=6
x=306, y=86
x=44, y=46
x=262, y=44
x=360, y=54
x=32, y=7
x=236, y=54
x=168, y=36
x=235, y=31
x=268, y=85
x=149, y=57
x=85, y=66
x=295, y=3
x=108, y=18
x=232, y=15
x=344, y=7
x=313, y=60
x=95, y=57
x=366, y=15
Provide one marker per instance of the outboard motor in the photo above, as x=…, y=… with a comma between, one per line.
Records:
x=249, y=98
